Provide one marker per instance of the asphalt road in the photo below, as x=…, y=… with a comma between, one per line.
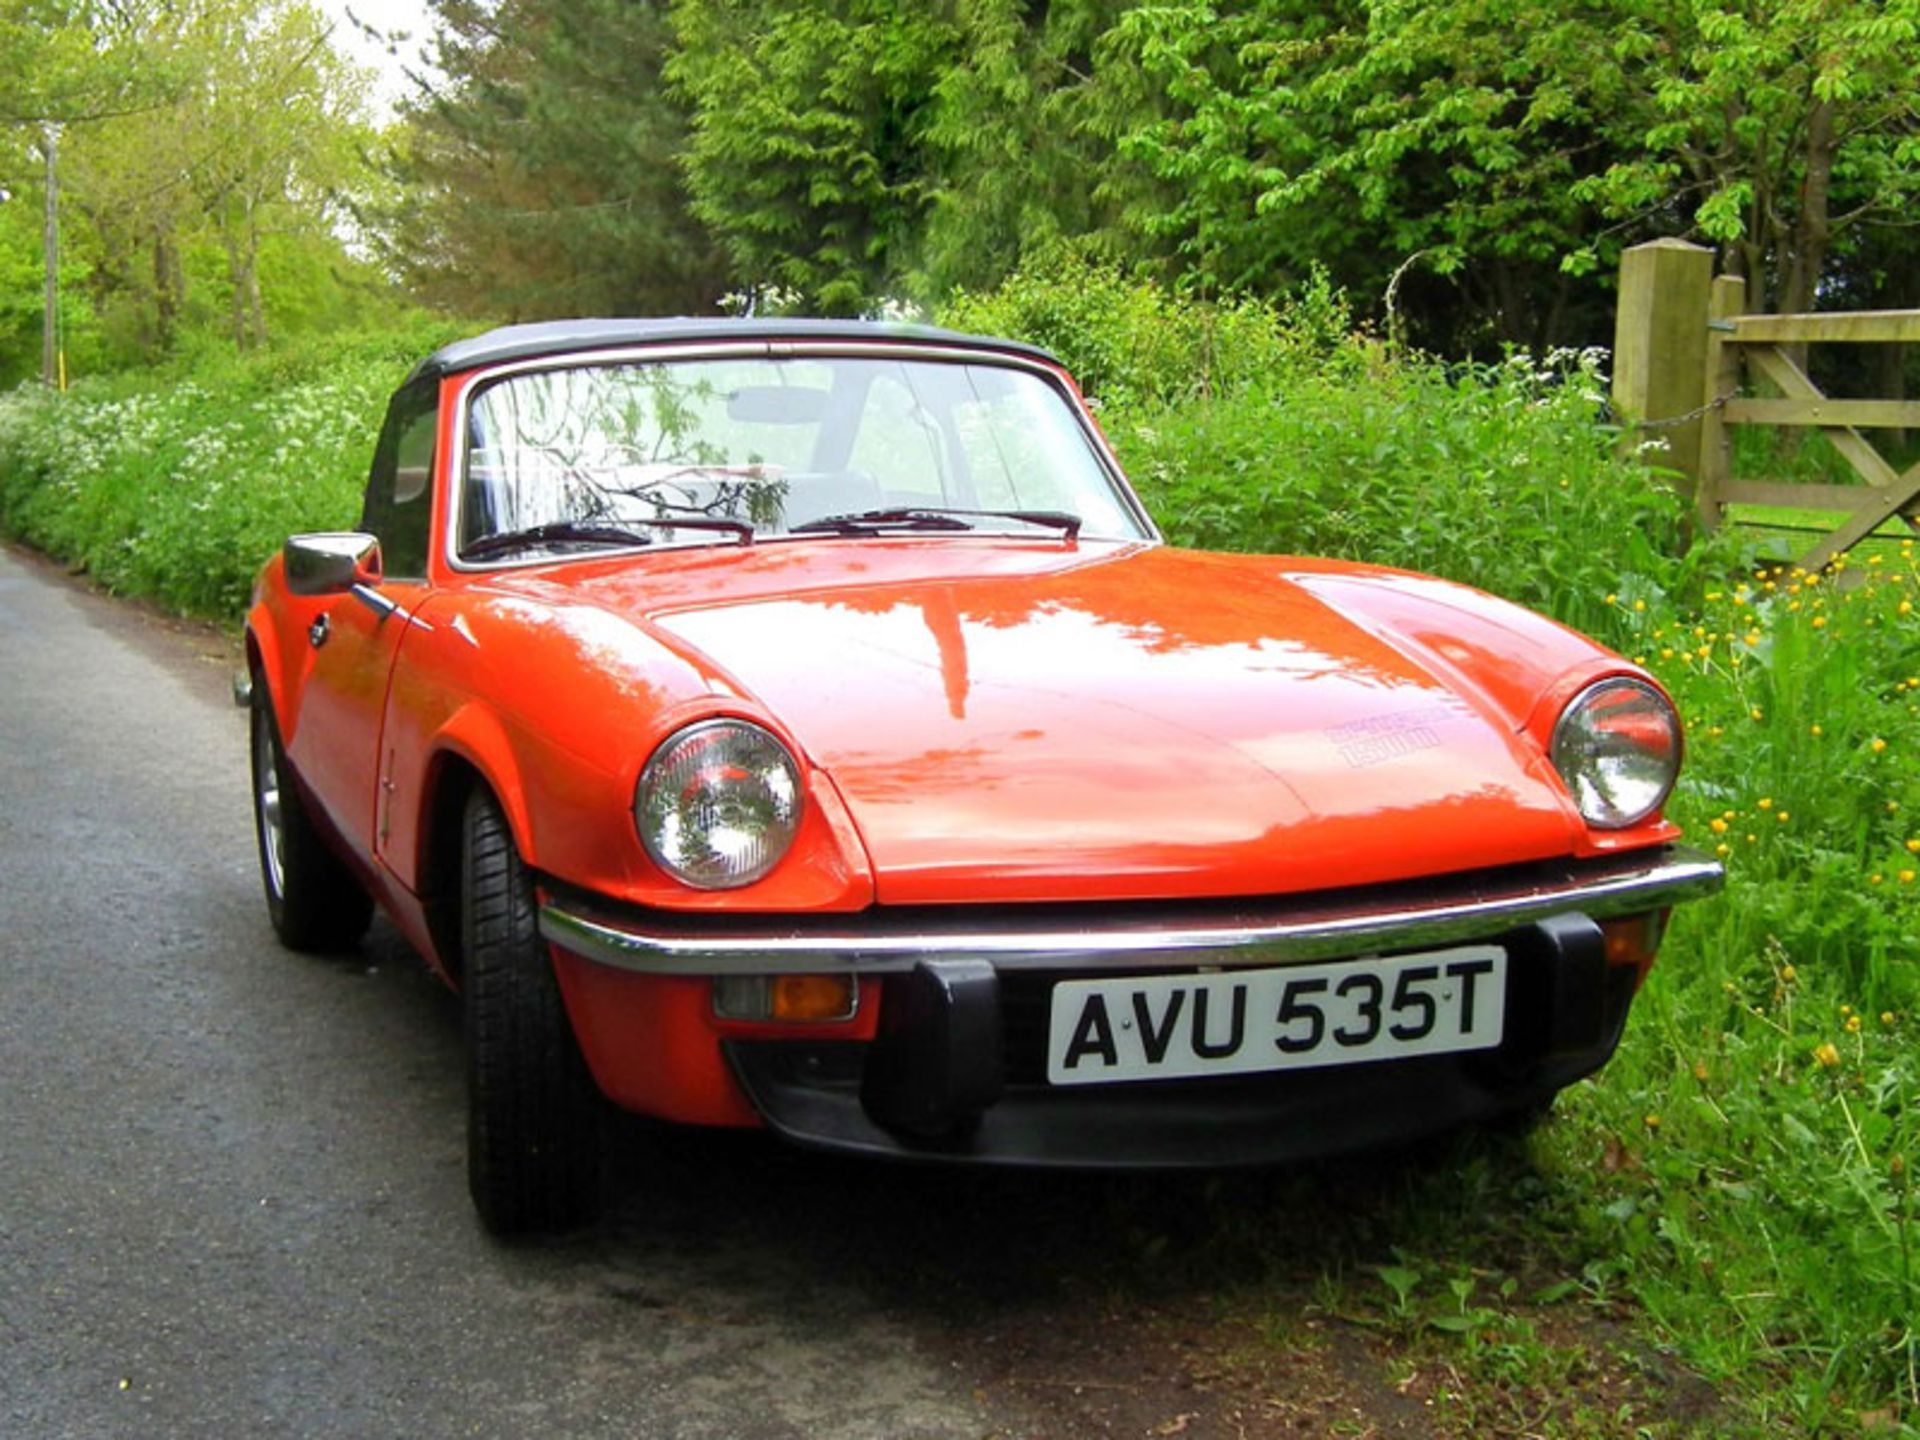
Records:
x=231, y=1189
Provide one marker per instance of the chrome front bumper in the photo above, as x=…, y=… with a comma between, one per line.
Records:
x=1132, y=936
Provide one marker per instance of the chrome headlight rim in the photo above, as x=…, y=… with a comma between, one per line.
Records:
x=677, y=746
x=1614, y=817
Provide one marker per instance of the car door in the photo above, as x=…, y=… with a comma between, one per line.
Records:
x=352, y=643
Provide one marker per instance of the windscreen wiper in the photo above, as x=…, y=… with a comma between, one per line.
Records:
x=931, y=517
x=576, y=532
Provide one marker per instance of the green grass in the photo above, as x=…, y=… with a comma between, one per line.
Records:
x=1737, y=1183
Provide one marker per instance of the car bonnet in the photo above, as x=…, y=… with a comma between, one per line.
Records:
x=1113, y=722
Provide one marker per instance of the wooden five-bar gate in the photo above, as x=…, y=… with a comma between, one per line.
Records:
x=1686, y=359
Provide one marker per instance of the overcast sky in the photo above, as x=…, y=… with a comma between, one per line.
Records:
x=390, y=81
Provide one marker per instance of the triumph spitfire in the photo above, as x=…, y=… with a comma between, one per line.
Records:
x=802, y=725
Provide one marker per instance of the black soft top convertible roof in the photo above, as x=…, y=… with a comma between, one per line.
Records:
x=560, y=337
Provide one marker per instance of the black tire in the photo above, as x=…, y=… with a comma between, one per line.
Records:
x=532, y=1108
x=315, y=902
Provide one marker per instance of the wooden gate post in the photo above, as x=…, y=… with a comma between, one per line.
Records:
x=1660, y=348
x=1727, y=299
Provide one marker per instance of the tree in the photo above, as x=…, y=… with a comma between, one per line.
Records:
x=1019, y=159
x=1776, y=130
x=202, y=187
x=540, y=178
x=255, y=146
x=68, y=62
x=808, y=152
x=1514, y=143
x=269, y=130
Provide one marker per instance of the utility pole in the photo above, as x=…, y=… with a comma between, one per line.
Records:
x=53, y=366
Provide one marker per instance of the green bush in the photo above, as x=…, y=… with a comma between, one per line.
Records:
x=176, y=486
x=1130, y=344
x=1479, y=474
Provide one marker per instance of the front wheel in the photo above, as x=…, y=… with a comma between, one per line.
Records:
x=313, y=899
x=531, y=1105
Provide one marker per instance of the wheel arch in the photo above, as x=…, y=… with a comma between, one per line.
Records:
x=470, y=753
x=263, y=662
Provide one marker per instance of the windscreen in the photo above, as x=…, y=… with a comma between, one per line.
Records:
x=773, y=444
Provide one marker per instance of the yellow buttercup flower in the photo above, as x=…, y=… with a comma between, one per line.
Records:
x=1827, y=1055
x=1853, y=1024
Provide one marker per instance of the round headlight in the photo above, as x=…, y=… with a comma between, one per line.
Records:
x=1617, y=747
x=718, y=804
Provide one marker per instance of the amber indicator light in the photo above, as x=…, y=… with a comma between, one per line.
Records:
x=812, y=997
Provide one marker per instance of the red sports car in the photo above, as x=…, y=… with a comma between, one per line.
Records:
x=802, y=725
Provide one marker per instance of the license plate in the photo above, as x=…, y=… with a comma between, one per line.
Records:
x=1162, y=1027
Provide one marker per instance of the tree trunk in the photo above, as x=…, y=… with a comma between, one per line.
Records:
x=237, y=301
x=254, y=306
x=166, y=298
x=243, y=270
x=1812, y=228
x=1510, y=303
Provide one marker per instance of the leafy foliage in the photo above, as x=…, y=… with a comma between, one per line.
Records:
x=65, y=62
x=200, y=192
x=540, y=176
x=177, y=487
x=808, y=152
x=1130, y=343
x=1507, y=144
